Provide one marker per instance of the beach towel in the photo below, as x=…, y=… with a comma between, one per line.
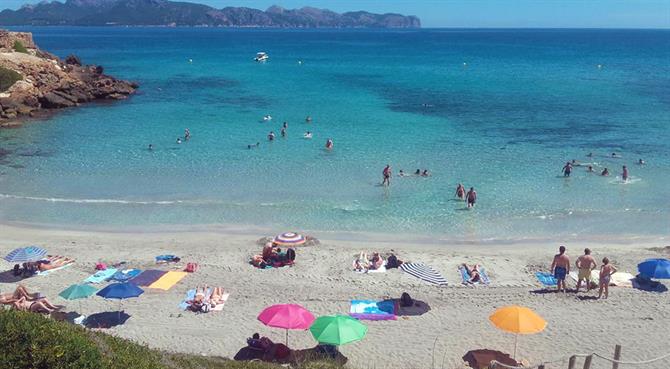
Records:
x=126, y=274
x=373, y=310
x=190, y=295
x=547, y=279
x=100, y=276
x=168, y=280
x=220, y=305
x=381, y=269
x=47, y=272
x=166, y=259
x=147, y=277
x=622, y=279
x=465, y=276
x=424, y=272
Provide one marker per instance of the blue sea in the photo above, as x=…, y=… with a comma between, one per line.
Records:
x=497, y=110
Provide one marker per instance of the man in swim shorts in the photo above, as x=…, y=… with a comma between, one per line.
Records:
x=560, y=267
x=471, y=197
x=585, y=264
x=387, y=175
x=567, y=169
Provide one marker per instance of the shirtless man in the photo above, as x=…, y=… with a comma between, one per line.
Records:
x=460, y=192
x=624, y=174
x=560, y=267
x=471, y=197
x=387, y=175
x=567, y=169
x=585, y=264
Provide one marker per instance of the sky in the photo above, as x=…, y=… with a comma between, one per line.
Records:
x=483, y=13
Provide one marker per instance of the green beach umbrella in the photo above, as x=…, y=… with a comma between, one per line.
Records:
x=78, y=291
x=337, y=329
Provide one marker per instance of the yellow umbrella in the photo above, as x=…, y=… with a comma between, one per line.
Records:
x=518, y=320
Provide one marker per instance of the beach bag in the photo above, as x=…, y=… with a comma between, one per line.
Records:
x=392, y=262
x=205, y=308
x=100, y=266
x=29, y=269
x=406, y=300
x=191, y=267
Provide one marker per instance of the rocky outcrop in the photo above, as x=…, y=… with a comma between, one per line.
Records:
x=48, y=83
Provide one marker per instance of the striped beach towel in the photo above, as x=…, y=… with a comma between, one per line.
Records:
x=424, y=272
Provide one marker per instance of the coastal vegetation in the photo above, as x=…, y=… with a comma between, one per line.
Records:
x=7, y=78
x=19, y=47
x=30, y=340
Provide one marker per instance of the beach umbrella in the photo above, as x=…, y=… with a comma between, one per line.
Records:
x=289, y=239
x=77, y=292
x=655, y=268
x=120, y=291
x=337, y=329
x=287, y=316
x=518, y=320
x=24, y=254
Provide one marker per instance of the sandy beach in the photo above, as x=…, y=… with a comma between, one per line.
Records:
x=323, y=282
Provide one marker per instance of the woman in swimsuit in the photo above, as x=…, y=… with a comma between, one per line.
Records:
x=20, y=292
x=473, y=273
x=606, y=272
x=217, y=296
x=53, y=262
x=376, y=261
x=460, y=192
x=41, y=306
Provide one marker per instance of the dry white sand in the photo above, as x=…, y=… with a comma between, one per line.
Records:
x=323, y=282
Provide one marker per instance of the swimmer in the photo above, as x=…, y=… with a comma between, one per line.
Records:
x=401, y=173
x=589, y=155
x=425, y=173
x=567, y=169
x=329, y=144
x=460, y=192
x=307, y=135
x=151, y=147
x=271, y=136
x=471, y=197
x=178, y=140
x=283, y=132
x=418, y=172
x=615, y=155
x=624, y=174
x=387, y=175
x=605, y=172
x=641, y=162
x=187, y=134
x=589, y=169
x=308, y=119
x=285, y=125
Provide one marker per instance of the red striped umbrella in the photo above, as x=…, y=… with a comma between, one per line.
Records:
x=289, y=239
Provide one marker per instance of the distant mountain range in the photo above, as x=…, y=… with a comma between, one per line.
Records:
x=173, y=13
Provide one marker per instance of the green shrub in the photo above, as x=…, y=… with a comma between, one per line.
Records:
x=7, y=78
x=19, y=48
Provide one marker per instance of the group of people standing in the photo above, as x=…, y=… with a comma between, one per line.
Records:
x=569, y=166
x=560, y=267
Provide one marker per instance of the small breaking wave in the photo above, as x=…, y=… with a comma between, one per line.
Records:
x=95, y=201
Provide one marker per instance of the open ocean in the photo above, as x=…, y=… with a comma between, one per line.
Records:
x=505, y=122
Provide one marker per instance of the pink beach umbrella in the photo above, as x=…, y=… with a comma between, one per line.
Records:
x=287, y=316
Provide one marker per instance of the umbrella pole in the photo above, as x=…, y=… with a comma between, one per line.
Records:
x=286, y=337
x=516, y=341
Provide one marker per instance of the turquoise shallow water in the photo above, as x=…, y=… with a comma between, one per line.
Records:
x=505, y=122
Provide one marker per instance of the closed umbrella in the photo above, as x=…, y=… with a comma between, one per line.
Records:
x=287, y=316
x=24, y=254
x=518, y=320
x=337, y=330
x=655, y=268
x=289, y=239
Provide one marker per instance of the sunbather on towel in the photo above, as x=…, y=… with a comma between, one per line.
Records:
x=53, y=262
x=198, y=301
x=473, y=273
x=216, y=297
x=258, y=262
x=361, y=264
x=41, y=306
x=376, y=261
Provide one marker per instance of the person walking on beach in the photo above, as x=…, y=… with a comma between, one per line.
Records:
x=560, y=267
x=606, y=271
x=471, y=197
x=585, y=264
x=460, y=192
x=386, y=173
x=567, y=169
x=624, y=174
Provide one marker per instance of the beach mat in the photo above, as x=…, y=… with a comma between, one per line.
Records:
x=424, y=272
x=373, y=310
x=101, y=276
x=547, y=279
x=47, y=272
x=483, y=277
x=125, y=275
x=168, y=280
x=618, y=279
x=147, y=277
x=220, y=305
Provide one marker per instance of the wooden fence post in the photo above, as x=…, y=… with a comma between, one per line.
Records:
x=617, y=356
x=587, y=362
x=571, y=362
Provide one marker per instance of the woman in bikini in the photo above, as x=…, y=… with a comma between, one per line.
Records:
x=217, y=296
x=41, y=306
x=606, y=271
x=376, y=262
x=473, y=273
x=20, y=292
x=53, y=262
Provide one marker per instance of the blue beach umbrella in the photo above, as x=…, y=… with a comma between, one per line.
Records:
x=24, y=254
x=120, y=291
x=655, y=268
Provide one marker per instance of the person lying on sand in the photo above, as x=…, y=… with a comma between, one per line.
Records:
x=53, y=262
x=473, y=273
x=20, y=292
x=362, y=263
x=376, y=262
x=41, y=306
x=216, y=297
x=198, y=301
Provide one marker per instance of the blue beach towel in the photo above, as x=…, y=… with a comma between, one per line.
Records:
x=373, y=310
x=547, y=279
x=190, y=295
x=124, y=275
x=101, y=276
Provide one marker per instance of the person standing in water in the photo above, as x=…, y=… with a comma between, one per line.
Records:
x=561, y=268
x=460, y=192
x=187, y=134
x=308, y=119
x=271, y=136
x=386, y=173
x=471, y=197
x=283, y=131
x=285, y=125
x=624, y=174
x=567, y=169
x=605, y=172
x=151, y=147
x=329, y=144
